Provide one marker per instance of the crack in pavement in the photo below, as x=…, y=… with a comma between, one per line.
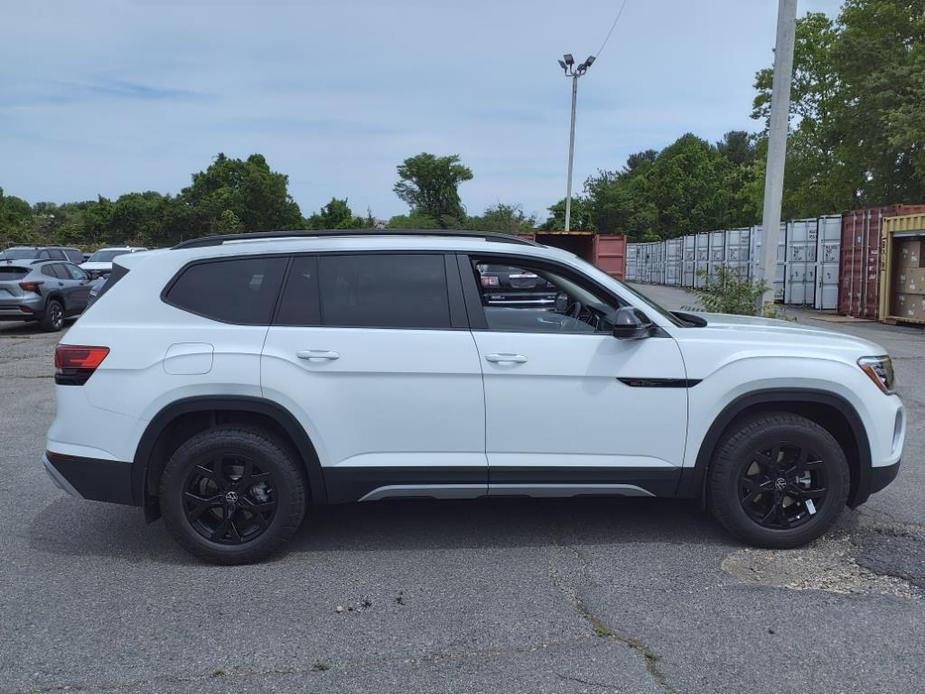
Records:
x=601, y=629
x=305, y=668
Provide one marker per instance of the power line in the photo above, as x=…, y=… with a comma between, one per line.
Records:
x=607, y=38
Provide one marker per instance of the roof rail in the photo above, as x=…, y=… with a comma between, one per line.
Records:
x=218, y=240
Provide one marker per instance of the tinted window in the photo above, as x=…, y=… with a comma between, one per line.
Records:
x=55, y=270
x=234, y=291
x=57, y=254
x=73, y=255
x=384, y=291
x=74, y=272
x=299, y=305
x=20, y=253
x=106, y=256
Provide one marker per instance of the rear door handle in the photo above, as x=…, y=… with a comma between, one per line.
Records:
x=506, y=358
x=321, y=354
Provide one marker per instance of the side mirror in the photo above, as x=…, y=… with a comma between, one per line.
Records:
x=631, y=324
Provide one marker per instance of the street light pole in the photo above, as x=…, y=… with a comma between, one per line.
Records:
x=568, y=67
x=571, y=156
x=777, y=146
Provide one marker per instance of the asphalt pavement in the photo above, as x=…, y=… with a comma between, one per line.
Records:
x=623, y=595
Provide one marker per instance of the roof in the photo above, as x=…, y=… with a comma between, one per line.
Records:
x=218, y=240
x=293, y=242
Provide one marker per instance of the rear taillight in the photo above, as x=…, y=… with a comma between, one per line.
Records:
x=74, y=364
x=30, y=286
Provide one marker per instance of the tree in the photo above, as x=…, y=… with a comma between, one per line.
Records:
x=415, y=220
x=430, y=186
x=335, y=215
x=738, y=147
x=257, y=196
x=580, y=217
x=502, y=217
x=856, y=103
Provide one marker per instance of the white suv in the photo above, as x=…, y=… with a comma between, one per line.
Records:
x=231, y=381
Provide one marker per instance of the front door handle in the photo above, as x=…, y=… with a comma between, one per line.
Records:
x=506, y=358
x=320, y=354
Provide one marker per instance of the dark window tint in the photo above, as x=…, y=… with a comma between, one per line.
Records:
x=73, y=255
x=74, y=272
x=8, y=272
x=299, y=305
x=55, y=270
x=234, y=291
x=57, y=254
x=384, y=291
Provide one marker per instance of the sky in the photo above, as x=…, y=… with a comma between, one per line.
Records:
x=104, y=97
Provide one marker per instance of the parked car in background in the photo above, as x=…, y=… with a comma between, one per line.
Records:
x=42, y=291
x=71, y=255
x=511, y=286
x=100, y=262
x=96, y=286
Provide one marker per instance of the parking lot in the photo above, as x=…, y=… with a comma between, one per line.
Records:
x=623, y=595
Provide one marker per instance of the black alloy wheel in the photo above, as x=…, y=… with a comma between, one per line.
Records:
x=783, y=486
x=229, y=499
x=777, y=479
x=233, y=494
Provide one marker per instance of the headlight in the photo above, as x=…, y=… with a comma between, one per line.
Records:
x=880, y=371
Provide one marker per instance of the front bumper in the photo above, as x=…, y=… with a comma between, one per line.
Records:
x=91, y=478
x=880, y=477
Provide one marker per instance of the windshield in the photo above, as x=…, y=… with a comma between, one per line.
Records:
x=105, y=256
x=20, y=253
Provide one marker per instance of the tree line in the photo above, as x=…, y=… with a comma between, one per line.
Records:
x=857, y=139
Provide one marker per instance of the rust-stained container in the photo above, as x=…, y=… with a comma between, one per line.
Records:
x=606, y=251
x=859, y=284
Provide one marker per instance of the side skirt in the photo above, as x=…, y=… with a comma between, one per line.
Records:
x=346, y=485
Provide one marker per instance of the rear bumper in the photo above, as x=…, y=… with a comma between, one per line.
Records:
x=91, y=478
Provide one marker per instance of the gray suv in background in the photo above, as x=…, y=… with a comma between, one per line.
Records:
x=72, y=255
x=42, y=291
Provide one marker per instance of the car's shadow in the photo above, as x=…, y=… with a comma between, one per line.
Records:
x=74, y=527
x=31, y=328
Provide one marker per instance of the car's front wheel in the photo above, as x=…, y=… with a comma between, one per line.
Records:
x=232, y=495
x=778, y=480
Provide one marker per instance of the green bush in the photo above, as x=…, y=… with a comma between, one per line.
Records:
x=730, y=291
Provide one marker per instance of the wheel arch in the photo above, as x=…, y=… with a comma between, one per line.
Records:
x=183, y=418
x=829, y=410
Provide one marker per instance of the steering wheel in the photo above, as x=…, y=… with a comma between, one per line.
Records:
x=574, y=311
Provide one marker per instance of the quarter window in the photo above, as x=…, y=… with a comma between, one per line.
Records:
x=240, y=291
x=384, y=291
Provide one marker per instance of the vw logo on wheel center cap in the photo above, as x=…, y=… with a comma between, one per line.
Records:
x=231, y=497
x=780, y=484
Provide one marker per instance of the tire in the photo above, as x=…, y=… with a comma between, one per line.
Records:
x=778, y=480
x=53, y=318
x=233, y=495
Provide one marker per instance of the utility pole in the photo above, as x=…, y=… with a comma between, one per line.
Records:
x=568, y=67
x=777, y=146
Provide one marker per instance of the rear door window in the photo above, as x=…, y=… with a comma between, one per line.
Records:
x=300, y=304
x=384, y=291
x=240, y=290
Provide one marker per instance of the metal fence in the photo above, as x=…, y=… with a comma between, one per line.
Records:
x=808, y=254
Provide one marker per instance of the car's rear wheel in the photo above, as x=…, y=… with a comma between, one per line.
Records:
x=778, y=480
x=232, y=495
x=53, y=319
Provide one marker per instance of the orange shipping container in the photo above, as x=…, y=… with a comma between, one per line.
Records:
x=606, y=251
